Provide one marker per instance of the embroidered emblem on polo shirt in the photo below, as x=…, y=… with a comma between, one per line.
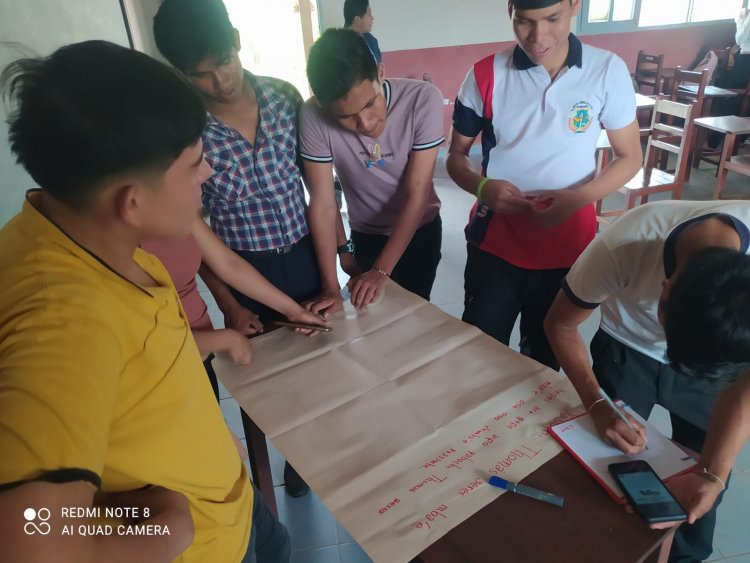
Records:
x=580, y=117
x=375, y=156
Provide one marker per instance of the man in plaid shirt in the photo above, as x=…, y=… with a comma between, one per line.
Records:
x=255, y=198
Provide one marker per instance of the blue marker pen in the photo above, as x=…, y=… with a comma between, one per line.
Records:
x=550, y=498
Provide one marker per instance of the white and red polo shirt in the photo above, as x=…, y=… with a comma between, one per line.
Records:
x=540, y=134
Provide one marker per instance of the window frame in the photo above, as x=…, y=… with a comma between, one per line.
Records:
x=584, y=27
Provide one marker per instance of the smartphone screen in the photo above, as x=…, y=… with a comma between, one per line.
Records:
x=647, y=494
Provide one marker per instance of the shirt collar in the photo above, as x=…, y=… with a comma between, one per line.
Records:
x=42, y=224
x=575, y=55
x=265, y=96
x=670, y=259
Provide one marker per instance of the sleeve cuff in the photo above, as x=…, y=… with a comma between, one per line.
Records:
x=313, y=158
x=577, y=301
x=430, y=145
x=59, y=476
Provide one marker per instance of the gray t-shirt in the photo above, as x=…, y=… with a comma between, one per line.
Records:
x=370, y=170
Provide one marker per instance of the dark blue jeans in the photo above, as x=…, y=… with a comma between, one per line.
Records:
x=269, y=540
x=416, y=269
x=496, y=292
x=642, y=382
x=295, y=273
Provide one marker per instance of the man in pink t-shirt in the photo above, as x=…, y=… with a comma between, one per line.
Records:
x=383, y=138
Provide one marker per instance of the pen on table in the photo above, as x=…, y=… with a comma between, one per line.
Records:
x=618, y=412
x=549, y=498
x=290, y=324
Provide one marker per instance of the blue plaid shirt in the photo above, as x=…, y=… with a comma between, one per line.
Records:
x=255, y=197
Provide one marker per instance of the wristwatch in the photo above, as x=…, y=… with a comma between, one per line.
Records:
x=348, y=248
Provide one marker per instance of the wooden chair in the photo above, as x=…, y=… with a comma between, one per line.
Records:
x=699, y=81
x=684, y=77
x=648, y=71
x=665, y=138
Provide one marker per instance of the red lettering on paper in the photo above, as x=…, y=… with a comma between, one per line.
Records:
x=427, y=481
x=431, y=516
x=388, y=506
x=476, y=483
x=512, y=457
x=456, y=463
x=438, y=458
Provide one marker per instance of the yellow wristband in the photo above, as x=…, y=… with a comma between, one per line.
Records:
x=480, y=187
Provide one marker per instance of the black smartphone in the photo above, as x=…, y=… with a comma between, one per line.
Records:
x=647, y=494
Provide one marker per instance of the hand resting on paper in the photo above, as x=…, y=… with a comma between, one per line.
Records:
x=695, y=493
x=366, y=288
x=615, y=432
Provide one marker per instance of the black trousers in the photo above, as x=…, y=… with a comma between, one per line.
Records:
x=642, y=382
x=496, y=292
x=295, y=273
x=417, y=267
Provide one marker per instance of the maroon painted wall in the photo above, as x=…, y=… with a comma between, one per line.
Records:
x=447, y=66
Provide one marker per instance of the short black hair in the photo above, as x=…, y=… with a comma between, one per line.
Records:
x=338, y=61
x=93, y=110
x=354, y=8
x=188, y=32
x=707, y=316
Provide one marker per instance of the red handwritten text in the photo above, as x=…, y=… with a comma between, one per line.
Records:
x=388, y=506
x=431, y=517
x=438, y=458
x=542, y=387
x=514, y=423
x=476, y=434
x=428, y=480
x=490, y=440
x=512, y=457
x=476, y=483
x=456, y=463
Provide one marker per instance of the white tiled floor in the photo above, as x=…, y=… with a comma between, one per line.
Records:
x=318, y=538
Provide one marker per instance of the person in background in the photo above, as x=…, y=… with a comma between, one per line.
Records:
x=740, y=73
x=738, y=77
x=540, y=107
x=671, y=279
x=358, y=17
x=103, y=396
x=255, y=198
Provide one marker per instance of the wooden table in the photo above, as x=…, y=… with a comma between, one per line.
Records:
x=290, y=360
x=730, y=126
x=709, y=94
x=590, y=528
x=644, y=102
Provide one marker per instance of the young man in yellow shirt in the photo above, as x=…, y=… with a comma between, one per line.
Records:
x=103, y=398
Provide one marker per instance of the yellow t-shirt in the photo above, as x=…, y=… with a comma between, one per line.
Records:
x=101, y=380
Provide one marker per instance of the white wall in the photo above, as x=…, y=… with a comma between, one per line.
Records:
x=37, y=28
x=421, y=24
x=140, y=15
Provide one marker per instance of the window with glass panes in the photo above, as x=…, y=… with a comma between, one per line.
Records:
x=603, y=16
